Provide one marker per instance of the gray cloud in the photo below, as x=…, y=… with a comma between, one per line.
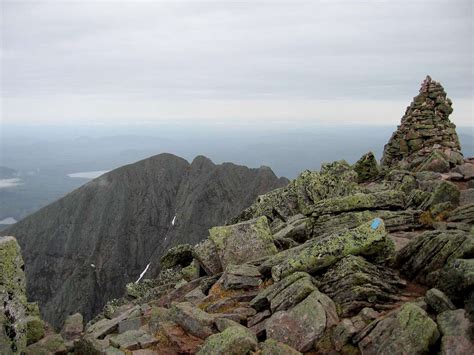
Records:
x=240, y=50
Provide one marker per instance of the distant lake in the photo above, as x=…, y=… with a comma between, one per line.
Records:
x=88, y=174
x=7, y=183
x=8, y=220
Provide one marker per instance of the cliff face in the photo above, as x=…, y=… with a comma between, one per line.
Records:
x=81, y=250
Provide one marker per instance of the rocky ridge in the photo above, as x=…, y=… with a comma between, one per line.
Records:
x=82, y=250
x=361, y=259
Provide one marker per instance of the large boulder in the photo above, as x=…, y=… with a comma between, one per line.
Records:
x=13, y=303
x=366, y=168
x=456, y=332
x=303, y=324
x=431, y=250
x=353, y=283
x=234, y=340
x=408, y=330
x=193, y=320
x=242, y=242
x=368, y=239
x=391, y=199
x=180, y=255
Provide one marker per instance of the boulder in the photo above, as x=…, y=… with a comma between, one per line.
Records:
x=304, y=324
x=192, y=319
x=133, y=340
x=241, y=277
x=391, y=199
x=368, y=239
x=181, y=255
x=235, y=340
x=456, y=279
x=366, y=168
x=438, y=301
x=242, y=242
x=436, y=162
x=50, y=344
x=431, y=250
x=353, y=284
x=207, y=257
x=408, y=330
x=13, y=304
x=466, y=170
x=343, y=333
x=265, y=297
x=273, y=347
x=73, y=327
x=455, y=330
x=34, y=329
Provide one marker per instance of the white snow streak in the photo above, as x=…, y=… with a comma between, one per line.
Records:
x=173, y=221
x=143, y=273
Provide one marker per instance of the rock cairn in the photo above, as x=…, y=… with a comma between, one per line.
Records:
x=426, y=138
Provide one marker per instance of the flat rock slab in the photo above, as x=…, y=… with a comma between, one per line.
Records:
x=241, y=277
x=192, y=319
x=133, y=340
x=368, y=239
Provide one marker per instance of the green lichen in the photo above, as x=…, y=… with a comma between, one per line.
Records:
x=319, y=254
x=234, y=340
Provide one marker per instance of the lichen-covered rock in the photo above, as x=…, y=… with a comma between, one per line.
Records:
x=273, y=347
x=391, y=199
x=242, y=242
x=292, y=295
x=366, y=168
x=436, y=162
x=463, y=214
x=425, y=128
x=456, y=331
x=353, y=283
x=408, y=330
x=207, y=257
x=241, y=277
x=438, y=301
x=431, y=250
x=236, y=340
x=133, y=340
x=466, y=170
x=303, y=324
x=51, y=344
x=334, y=180
x=264, y=297
x=444, y=192
x=34, y=329
x=13, y=303
x=73, y=326
x=456, y=279
x=368, y=239
x=181, y=255
x=192, y=319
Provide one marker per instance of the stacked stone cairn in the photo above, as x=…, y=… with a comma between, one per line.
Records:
x=426, y=138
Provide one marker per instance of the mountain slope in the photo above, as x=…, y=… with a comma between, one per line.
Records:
x=81, y=250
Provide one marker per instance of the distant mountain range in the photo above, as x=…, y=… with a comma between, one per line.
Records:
x=81, y=250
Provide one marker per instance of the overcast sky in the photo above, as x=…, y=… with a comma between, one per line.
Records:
x=254, y=62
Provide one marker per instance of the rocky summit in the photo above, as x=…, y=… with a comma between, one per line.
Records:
x=353, y=259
